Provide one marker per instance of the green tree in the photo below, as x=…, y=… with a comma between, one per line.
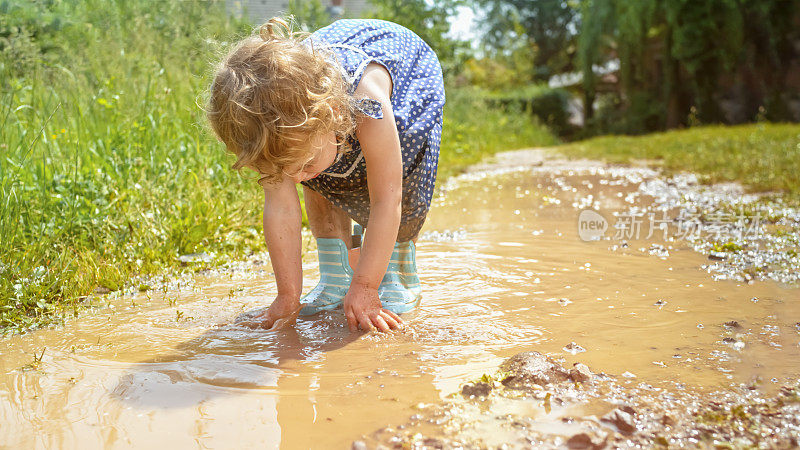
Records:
x=772, y=34
x=681, y=57
x=593, y=47
x=548, y=27
x=428, y=21
x=706, y=39
x=310, y=15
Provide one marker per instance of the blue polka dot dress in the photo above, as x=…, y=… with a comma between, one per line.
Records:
x=417, y=102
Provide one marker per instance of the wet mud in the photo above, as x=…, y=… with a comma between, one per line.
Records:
x=542, y=404
x=645, y=325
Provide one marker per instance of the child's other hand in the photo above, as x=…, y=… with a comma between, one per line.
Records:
x=281, y=313
x=362, y=307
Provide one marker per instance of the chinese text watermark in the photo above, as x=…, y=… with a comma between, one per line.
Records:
x=686, y=225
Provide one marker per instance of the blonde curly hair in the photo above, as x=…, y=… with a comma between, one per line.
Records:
x=271, y=94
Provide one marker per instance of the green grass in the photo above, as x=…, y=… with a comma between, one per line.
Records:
x=106, y=172
x=473, y=130
x=106, y=168
x=763, y=157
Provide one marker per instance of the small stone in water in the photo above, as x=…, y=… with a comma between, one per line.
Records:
x=527, y=370
x=580, y=373
x=660, y=303
x=585, y=441
x=620, y=419
x=732, y=324
x=628, y=375
x=476, y=390
x=737, y=345
x=564, y=301
x=754, y=299
x=717, y=256
x=573, y=348
x=700, y=326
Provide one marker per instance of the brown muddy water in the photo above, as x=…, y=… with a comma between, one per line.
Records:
x=503, y=270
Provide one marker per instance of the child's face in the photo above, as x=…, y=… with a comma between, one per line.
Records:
x=323, y=147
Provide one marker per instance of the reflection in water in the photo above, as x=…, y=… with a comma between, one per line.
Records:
x=509, y=274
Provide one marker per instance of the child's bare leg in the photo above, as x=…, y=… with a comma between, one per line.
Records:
x=327, y=220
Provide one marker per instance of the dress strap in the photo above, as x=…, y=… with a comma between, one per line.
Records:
x=352, y=80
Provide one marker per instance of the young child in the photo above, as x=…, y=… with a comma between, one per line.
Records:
x=352, y=112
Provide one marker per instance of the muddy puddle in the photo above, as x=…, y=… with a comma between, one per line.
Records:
x=504, y=271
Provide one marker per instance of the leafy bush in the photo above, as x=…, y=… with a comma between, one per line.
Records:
x=548, y=104
x=475, y=127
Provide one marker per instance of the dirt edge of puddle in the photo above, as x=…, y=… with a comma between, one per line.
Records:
x=576, y=408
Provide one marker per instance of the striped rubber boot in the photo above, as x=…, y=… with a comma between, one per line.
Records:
x=335, y=275
x=400, y=290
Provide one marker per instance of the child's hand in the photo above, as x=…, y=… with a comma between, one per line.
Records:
x=362, y=307
x=280, y=314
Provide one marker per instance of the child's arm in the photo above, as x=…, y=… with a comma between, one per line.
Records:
x=380, y=145
x=282, y=219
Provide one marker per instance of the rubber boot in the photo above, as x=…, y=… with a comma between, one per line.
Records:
x=400, y=290
x=335, y=275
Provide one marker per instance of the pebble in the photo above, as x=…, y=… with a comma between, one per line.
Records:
x=532, y=368
x=732, y=324
x=580, y=373
x=586, y=441
x=717, y=256
x=476, y=390
x=358, y=445
x=573, y=348
x=622, y=420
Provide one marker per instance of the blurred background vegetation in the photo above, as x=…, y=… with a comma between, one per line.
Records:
x=107, y=169
x=646, y=65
